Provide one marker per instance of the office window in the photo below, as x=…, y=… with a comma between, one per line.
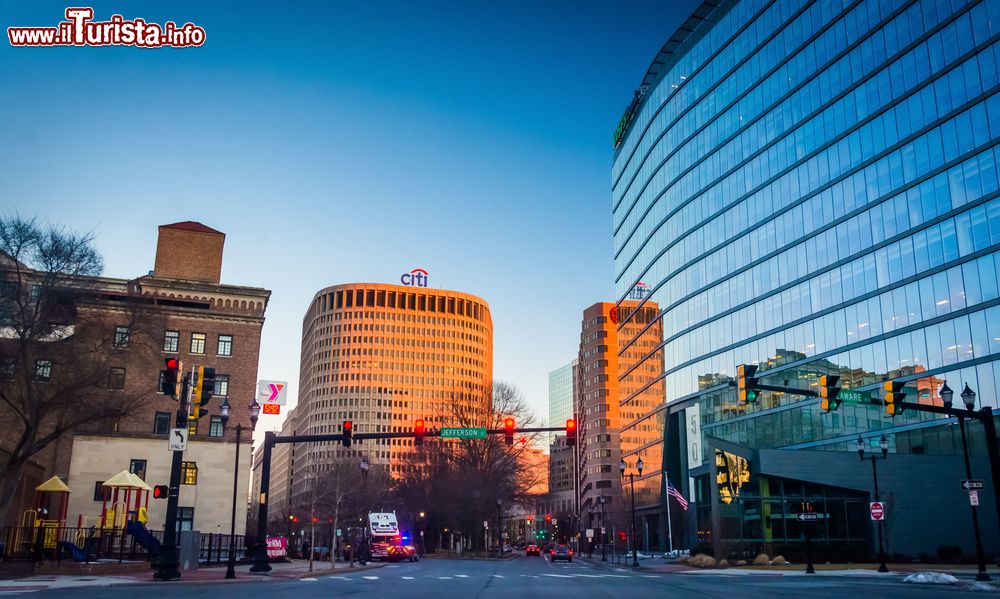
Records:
x=138, y=468
x=116, y=378
x=185, y=518
x=161, y=423
x=189, y=473
x=197, y=343
x=215, y=429
x=222, y=385
x=43, y=371
x=7, y=368
x=101, y=493
x=225, y=345
x=121, y=336
x=171, y=339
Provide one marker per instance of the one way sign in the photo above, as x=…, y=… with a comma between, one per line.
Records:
x=969, y=485
x=178, y=439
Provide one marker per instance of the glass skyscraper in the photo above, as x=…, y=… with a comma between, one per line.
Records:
x=812, y=187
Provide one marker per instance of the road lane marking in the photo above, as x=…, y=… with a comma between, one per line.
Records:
x=407, y=578
x=339, y=578
x=444, y=577
x=461, y=576
x=370, y=577
x=559, y=575
x=308, y=579
x=499, y=575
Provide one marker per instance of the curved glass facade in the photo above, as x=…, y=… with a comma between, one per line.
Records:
x=812, y=186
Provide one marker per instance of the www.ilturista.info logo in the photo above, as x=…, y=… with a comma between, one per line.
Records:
x=80, y=29
x=416, y=277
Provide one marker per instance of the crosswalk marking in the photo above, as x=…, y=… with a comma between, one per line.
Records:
x=444, y=577
x=461, y=576
x=407, y=578
x=370, y=577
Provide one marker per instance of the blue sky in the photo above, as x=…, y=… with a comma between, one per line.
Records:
x=340, y=142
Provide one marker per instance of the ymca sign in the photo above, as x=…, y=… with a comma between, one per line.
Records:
x=415, y=278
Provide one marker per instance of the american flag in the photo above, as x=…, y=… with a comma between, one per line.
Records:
x=673, y=492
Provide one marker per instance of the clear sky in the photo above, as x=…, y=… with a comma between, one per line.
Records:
x=338, y=142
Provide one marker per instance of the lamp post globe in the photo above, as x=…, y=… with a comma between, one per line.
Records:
x=639, y=465
x=947, y=395
x=224, y=411
x=969, y=397
x=621, y=466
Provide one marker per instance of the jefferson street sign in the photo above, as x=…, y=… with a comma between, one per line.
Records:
x=848, y=396
x=969, y=485
x=463, y=433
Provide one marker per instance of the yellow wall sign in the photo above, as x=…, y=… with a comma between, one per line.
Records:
x=731, y=472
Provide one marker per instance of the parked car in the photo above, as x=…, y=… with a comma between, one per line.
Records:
x=561, y=552
x=532, y=550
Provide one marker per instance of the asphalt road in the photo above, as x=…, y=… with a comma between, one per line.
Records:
x=526, y=578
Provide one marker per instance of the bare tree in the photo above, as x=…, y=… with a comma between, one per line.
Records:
x=58, y=344
x=463, y=478
x=332, y=489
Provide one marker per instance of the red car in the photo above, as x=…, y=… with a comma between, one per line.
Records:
x=532, y=550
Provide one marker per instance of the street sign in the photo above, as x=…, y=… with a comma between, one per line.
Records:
x=340, y=533
x=807, y=517
x=463, y=433
x=178, y=439
x=849, y=396
x=973, y=497
x=272, y=392
x=969, y=485
x=877, y=510
x=272, y=409
x=590, y=533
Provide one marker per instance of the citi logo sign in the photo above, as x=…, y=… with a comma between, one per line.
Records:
x=416, y=277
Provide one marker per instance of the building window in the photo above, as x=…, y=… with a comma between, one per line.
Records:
x=101, y=493
x=138, y=468
x=43, y=371
x=7, y=369
x=185, y=518
x=189, y=473
x=225, y=345
x=161, y=423
x=222, y=385
x=197, y=343
x=121, y=336
x=215, y=429
x=171, y=340
x=116, y=378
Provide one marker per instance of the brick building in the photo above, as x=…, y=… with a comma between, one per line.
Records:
x=189, y=314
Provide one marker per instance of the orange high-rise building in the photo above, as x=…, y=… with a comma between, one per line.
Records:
x=383, y=356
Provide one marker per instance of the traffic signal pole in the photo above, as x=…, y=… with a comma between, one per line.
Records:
x=260, y=559
x=168, y=561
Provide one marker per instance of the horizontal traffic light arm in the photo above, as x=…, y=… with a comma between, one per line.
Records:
x=777, y=389
x=957, y=412
x=402, y=435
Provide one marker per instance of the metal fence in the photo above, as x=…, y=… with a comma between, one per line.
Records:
x=214, y=548
x=32, y=543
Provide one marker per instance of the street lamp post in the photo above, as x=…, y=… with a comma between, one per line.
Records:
x=224, y=416
x=969, y=398
x=631, y=482
x=499, y=534
x=604, y=536
x=884, y=446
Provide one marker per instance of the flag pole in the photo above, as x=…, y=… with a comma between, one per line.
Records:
x=670, y=527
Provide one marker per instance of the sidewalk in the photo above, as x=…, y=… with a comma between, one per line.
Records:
x=295, y=569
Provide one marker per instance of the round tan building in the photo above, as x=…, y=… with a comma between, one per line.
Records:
x=383, y=356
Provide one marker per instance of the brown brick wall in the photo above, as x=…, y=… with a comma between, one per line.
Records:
x=189, y=255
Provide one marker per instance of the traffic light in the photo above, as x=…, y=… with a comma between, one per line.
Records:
x=894, y=396
x=348, y=433
x=747, y=383
x=531, y=519
x=508, y=431
x=570, y=432
x=418, y=431
x=207, y=385
x=161, y=491
x=828, y=391
x=170, y=378
x=548, y=517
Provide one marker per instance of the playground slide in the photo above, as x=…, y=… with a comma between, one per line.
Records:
x=79, y=555
x=145, y=538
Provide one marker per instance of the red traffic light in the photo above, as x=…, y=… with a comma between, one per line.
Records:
x=172, y=363
x=508, y=431
x=348, y=425
x=548, y=517
x=570, y=432
x=161, y=491
x=418, y=426
x=570, y=425
x=509, y=424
